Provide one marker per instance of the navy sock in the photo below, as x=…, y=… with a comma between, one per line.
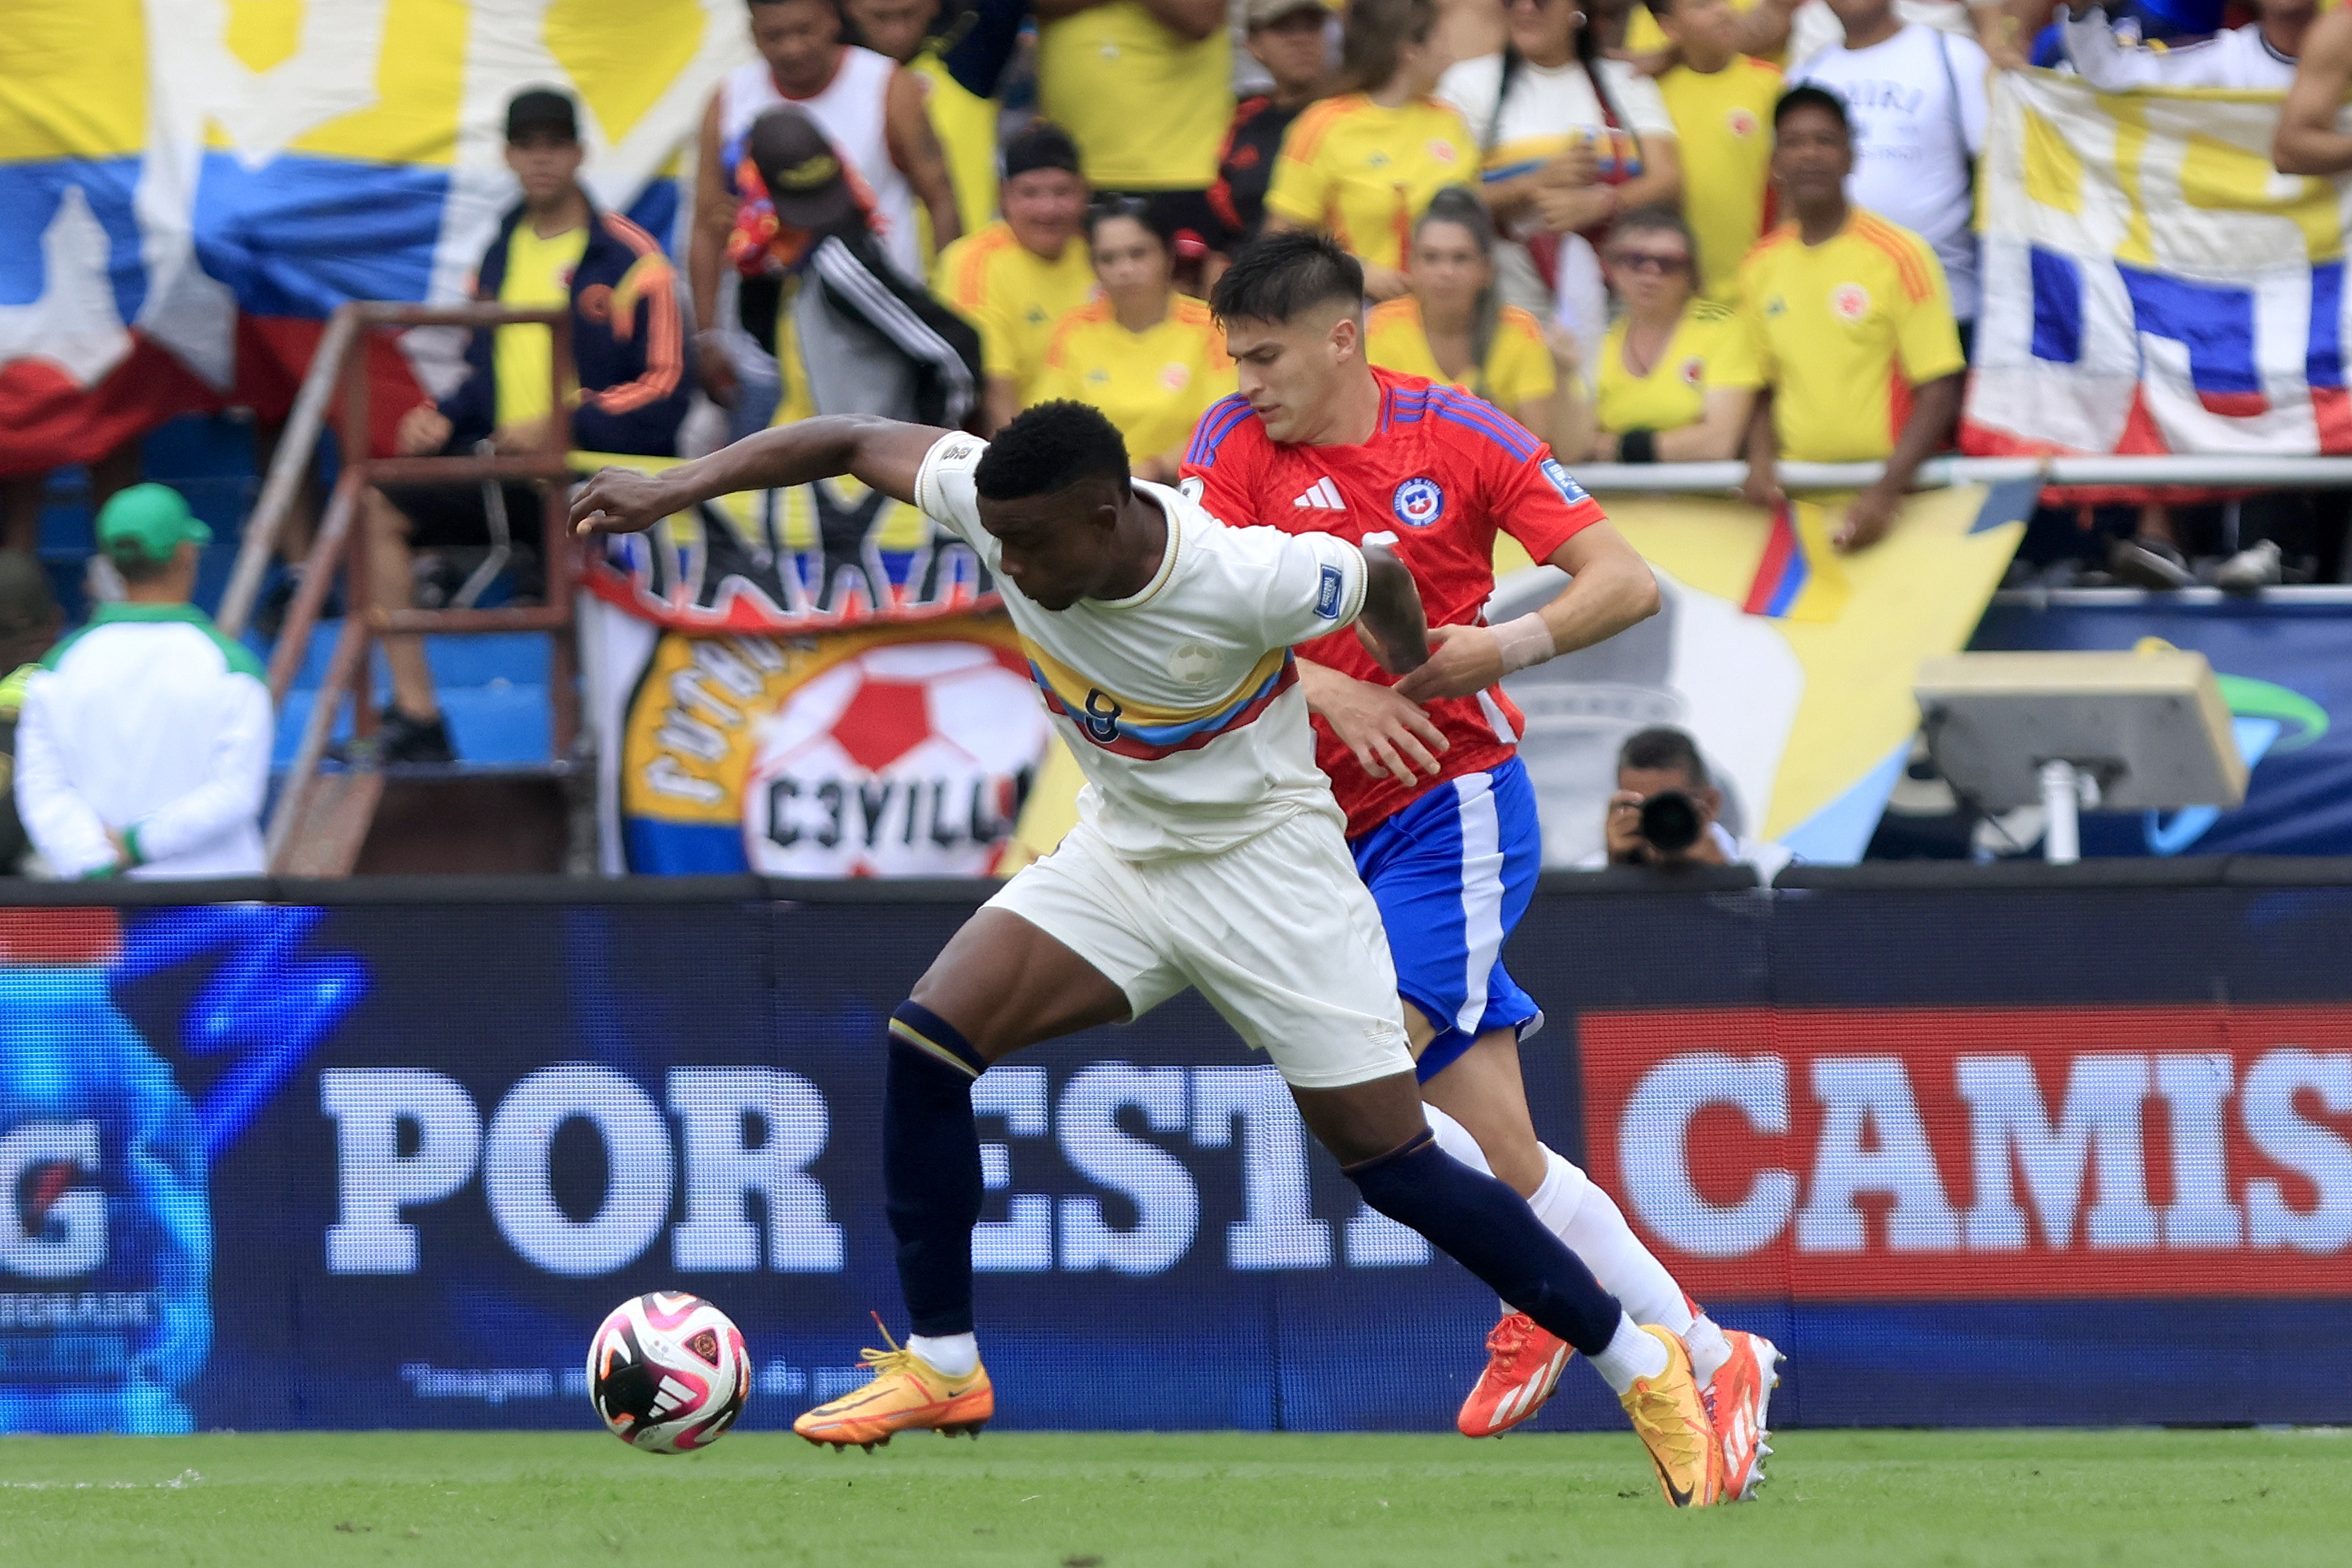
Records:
x=930, y=1166
x=1490, y=1230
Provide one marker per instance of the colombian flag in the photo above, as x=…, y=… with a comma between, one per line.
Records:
x=1800, y=577
x=189, y=204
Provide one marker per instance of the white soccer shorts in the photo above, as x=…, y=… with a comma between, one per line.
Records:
x=1277, y=932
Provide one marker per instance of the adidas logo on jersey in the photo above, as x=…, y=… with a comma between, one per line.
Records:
x=1325, y=495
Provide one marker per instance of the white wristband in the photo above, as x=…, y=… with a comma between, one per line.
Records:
x=1525, y=642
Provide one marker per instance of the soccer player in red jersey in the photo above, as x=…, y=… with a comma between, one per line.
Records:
x=1441, y=817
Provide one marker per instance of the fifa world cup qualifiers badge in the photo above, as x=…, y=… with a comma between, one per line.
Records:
x=1562, y=481
x=1417, y=502
x=1327, y=598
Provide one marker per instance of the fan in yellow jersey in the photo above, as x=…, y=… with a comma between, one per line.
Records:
x=1763, y=28
x=1455, y=328
x=1147, y=356
x=1851, y=321
x=1721, y=101
x=1017, y=277
x=1146, y=90
x=1362, y=166
x=1676, y=377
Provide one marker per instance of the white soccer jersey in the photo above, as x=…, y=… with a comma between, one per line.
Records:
x=1181, y=704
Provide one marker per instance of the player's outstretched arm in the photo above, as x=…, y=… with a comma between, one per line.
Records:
x=1391, y=624
x=881, y=453
x=1611, y=587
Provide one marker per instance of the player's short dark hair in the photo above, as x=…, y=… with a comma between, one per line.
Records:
x=1661, y=750
x=1047, y=449
x=1284, y=275
x=1810, y=97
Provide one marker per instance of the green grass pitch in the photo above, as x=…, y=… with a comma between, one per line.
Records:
x=517, y=1501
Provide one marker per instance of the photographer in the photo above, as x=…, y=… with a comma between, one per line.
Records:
x=1664, y=809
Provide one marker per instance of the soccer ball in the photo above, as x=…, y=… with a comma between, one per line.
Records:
x=668, y=1373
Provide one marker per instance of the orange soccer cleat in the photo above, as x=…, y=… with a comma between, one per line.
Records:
x=906, y=1394
x=1738, y=1400
x=1670, y=1414
x=1523, y=1366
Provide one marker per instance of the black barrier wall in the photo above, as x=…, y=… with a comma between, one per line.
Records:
x=2031, y=1147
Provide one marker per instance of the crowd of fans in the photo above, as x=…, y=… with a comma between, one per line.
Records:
x=1689, y=230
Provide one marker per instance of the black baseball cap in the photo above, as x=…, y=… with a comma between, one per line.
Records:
x=542, y=112
x=803, y=175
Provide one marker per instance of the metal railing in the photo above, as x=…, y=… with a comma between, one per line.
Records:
x=321, y=821
x=2184, y=470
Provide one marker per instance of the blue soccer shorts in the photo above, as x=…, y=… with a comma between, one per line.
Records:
x=1452, y=873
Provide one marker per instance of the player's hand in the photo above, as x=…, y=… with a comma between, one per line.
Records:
x=422, y=431
x=1867, y=518
x=1390, y=735
x=620, y=501
x=1463, y=660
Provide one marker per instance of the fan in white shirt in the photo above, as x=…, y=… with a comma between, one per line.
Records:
x=2259, y=57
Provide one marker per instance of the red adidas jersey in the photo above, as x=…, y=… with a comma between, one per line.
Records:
x=1443, y=472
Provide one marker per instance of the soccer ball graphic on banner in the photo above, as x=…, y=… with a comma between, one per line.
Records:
x=668, y=1373
x=907, y=759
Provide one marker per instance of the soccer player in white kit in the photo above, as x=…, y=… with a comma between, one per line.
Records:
x=1208, y=854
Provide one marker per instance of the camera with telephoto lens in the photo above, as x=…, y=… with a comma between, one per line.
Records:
x=1671, y=821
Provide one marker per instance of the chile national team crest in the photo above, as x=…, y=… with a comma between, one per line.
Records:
x=1417, y=502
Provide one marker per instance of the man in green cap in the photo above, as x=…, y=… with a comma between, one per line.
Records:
x=143, y=749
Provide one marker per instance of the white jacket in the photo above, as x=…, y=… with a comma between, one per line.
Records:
x=147, y=722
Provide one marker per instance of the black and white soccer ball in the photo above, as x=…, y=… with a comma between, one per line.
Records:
x=668, y=1373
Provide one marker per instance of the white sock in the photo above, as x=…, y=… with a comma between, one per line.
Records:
x=1598, y=1233
x=952, y=1355
x=1455, y=1140
x=1708, y=1349
x=1555, y=1202
x=1631, y=1354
